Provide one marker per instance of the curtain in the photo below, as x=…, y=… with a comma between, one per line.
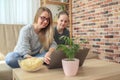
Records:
x=18, y=11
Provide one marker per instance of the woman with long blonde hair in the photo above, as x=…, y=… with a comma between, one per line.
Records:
x=35, y=40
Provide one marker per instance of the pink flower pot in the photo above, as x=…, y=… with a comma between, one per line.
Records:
x=70, y=67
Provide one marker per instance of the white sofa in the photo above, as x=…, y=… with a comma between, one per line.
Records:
x=8, y=38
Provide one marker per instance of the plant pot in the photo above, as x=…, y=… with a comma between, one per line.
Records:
x=70, y=68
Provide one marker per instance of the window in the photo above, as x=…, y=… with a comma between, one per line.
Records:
x=18, y=11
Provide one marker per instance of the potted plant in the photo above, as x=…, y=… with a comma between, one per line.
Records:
x=70, y=64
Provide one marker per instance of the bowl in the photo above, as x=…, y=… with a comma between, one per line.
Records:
x=31, y=64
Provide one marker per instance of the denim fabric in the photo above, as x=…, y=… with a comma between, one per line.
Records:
x=13, y=57
x=42, y=54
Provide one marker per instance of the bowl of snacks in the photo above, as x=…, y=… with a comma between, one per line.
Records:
x=31, y=64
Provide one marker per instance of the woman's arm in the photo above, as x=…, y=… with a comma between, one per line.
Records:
x=50, y=51
x=23, y=44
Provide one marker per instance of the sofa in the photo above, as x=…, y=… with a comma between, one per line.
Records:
x=8, y=38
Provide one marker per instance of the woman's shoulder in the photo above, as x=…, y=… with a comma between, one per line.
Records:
x=27, y=27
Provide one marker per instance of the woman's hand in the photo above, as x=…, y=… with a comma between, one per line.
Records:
x=27, y=56
x=47, y=58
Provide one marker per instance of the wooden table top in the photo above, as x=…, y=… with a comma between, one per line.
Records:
x=92, y=69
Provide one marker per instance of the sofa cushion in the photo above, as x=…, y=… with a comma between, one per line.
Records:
x=8, y=37
x=1, y=56
x=5, y=71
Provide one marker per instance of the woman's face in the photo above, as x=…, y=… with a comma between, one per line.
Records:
x=62, y=21
x=43, y=20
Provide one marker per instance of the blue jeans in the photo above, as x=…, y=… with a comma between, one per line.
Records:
x=13, y=57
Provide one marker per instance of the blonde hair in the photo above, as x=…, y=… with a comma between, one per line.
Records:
x=46, y=34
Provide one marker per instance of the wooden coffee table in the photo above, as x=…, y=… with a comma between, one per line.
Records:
x=93, y=69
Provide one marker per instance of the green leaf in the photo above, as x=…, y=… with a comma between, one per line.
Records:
x=70, y=49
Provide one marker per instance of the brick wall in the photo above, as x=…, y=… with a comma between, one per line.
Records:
x=98, y=21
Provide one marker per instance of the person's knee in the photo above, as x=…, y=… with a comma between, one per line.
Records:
x=13, y=63
x=11, y=60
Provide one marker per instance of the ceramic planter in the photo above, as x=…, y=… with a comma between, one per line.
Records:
x=70, y=68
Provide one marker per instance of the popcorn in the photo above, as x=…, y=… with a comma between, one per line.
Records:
x=31, y=64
